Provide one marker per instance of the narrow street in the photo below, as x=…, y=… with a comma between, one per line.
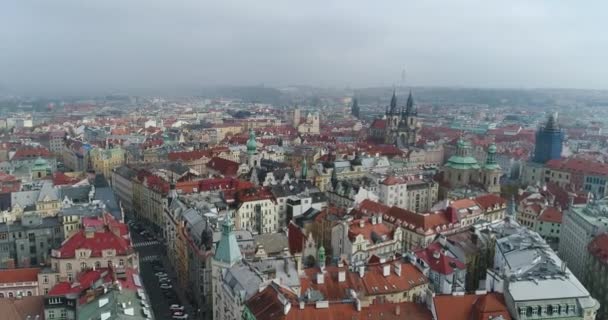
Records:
x=152, y=257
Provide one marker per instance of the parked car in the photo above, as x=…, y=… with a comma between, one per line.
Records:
x=166, y=286
x=176, y=307
x=182, y=317
x=161, y=274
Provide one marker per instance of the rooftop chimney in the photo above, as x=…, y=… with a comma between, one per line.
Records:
x=361, y=223
x=398, y=269
x=398, y=310
x=341, y=276
x=386, y=270
x=320, y=278
x=436, y=254
x=374, y=220
x=361, y=271
x=380, y=218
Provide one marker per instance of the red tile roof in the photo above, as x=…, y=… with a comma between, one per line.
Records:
x=31, y=152
x=223, y=166
x=371, y=207
x=426, y=221
x=551, y=214
x=22, y=308
x=577, y=165
x=331, y=288
x=253, y=194
x=19, y=275
x=375, y=283
x=379, y=124
x=188, y=155
x=376, y=311
x=471, y=307
x=96, y=242
x=61, y=179
x=489, y=201
x=379, y=229
x=598, y=247
x=437, y=260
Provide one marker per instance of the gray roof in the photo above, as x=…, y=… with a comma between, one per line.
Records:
x=283, y=268
x=106, y=196
x=47, y=222
x=273, y=243
x=81, y=210
x=75, y=193
x=24, y=198
x=242, y=281
x=48, y=192
x=126, y=172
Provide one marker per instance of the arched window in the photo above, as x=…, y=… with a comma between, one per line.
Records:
x=29, y=293
x=97, y=264
x=68, y=266
x=1, y=295
x=83, y=266
x=10, y=295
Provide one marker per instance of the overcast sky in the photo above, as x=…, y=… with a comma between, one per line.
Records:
x=119, y=44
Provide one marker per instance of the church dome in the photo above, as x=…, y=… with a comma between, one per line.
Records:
x=40, y=162
x=492, y=148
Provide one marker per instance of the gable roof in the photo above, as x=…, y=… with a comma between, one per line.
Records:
x=551, y=214
x=224, y=166
x=470, y=307
x=19, y=275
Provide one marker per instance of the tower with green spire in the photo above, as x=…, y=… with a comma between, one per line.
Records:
x=321, y=257
x=491, y=171
x=252, y=146
x=227, y=251
x=252, y=150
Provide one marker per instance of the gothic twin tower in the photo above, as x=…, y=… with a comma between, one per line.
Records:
x=402, y=127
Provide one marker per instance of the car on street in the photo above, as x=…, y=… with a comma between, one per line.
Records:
x=180, y=315
x=176, y=307
x=166, y=286
x=160, y=274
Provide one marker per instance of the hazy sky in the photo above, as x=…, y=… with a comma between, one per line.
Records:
x=105, y=45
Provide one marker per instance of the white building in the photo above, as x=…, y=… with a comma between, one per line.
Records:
x=408, y=192
x=535, y=282
x=581, y=223
x=357, y=240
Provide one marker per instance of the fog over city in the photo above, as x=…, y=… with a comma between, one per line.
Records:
x=97, y=46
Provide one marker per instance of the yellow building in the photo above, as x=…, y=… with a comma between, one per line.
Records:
x=104, y=160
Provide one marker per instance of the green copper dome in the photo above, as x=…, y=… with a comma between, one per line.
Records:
x=252, y=146
x=462, y=159
x=491, y=163
x=228, y=250
x=40, y=162
x=492, y=148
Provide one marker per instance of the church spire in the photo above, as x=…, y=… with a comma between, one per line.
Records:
x=304, y=169
x=394, y=103
x=355, y=108
x=410, y=104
